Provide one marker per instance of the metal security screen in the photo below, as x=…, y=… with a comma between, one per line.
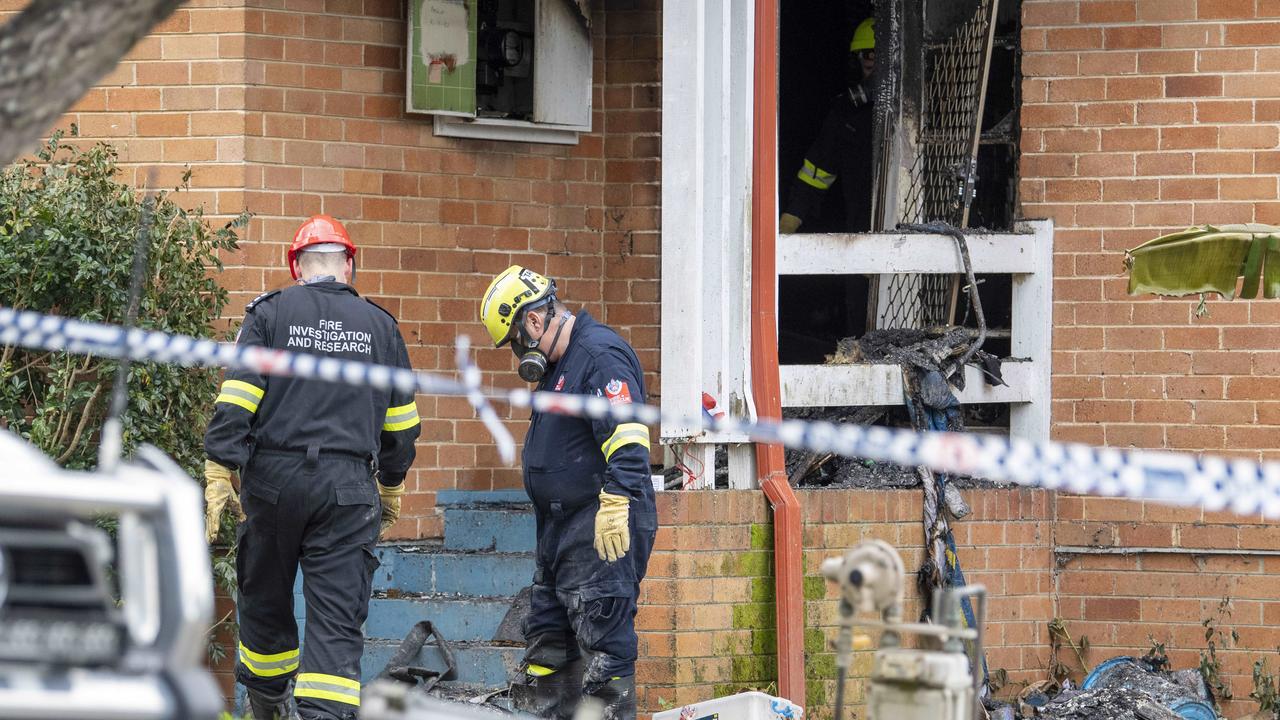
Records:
x=929, y=153
x=944, y=169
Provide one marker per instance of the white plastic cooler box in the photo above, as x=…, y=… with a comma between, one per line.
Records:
x=743, y=706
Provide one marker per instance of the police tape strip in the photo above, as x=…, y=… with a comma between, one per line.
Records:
x=38, y=331
x=475, y=395
x=1243, y=486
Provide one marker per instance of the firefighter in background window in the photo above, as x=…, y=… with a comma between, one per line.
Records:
x=321, y=464
x=842, y=150
x=593, y=501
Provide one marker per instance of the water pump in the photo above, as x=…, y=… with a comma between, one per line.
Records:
x=937, y=681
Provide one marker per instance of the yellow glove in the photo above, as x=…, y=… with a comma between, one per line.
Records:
x=788, y=224
x=613, y=537
x=218, y=492
x=390, y=506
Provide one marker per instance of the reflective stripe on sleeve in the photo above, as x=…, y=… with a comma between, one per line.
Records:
x=816, y=176
x=269, y=665
x=238, y=392
x=327, y=687
x=625, y=434
x=401, y=418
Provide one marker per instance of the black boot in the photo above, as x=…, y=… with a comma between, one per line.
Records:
x=553, y=696
x=618, y=696
x=273, y=707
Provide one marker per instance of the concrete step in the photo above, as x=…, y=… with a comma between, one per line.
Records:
x=459, y=619
x=475, y=497
x=480, y=665
x=490, y=527
x=422, y=570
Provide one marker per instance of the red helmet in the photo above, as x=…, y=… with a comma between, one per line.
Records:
x=318, y=230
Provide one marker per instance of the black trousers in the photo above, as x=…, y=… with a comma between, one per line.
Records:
x=321, y=513
x=582, y=604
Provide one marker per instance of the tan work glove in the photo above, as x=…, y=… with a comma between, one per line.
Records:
x=788, y=224
x=390, y=497
x=218, y=493
x=613, y=537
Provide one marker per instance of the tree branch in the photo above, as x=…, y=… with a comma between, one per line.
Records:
x=64, y=427
x=38, y=359
x=54, y=51
x=84, y=421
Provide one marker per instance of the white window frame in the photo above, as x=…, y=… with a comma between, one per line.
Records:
x=706, y=239
x=707, y=147
x=507, y=130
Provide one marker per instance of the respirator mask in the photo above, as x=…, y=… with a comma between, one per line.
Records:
x=533, y=360
x=859, y=83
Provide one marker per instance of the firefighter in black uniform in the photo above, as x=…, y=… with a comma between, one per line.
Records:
x=315, y=458
x=593, y=500
x=842, y=150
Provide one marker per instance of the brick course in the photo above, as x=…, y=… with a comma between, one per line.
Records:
x=1180, y=95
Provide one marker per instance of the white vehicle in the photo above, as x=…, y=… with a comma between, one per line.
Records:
x=68, y=649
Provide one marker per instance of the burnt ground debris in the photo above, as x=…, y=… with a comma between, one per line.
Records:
x=928, y=356
x=1122, y=688
x=1118, y=703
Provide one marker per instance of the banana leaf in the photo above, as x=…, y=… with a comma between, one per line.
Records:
x=1209, y=258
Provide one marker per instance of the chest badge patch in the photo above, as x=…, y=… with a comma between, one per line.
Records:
x=560, y=384
x=617, y=392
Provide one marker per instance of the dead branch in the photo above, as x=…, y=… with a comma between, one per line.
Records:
x=31, y=363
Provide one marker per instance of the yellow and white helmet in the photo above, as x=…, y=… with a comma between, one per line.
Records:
x=513, y=290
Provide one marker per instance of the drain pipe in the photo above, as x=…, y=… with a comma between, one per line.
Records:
x=787, y=545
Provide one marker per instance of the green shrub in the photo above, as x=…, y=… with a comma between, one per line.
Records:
x=68, y=227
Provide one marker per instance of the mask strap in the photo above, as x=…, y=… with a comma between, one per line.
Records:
x=554, y=338
x=551, y=314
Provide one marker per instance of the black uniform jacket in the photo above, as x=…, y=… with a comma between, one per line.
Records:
x=842, y=151
x=569, y=460
x=328, y=319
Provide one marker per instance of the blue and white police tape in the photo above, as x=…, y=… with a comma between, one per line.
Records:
x=1243, y=486
x=49, y=332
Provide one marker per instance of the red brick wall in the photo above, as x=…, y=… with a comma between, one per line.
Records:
x=632, y=149
x=294, y=108
x=175, y=100
x=1141, y=117
x=706, y=620
x=1121, y=603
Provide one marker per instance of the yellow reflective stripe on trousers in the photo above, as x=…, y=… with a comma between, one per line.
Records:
x=401, y=418
x=625, y=434
x=269, y=665
x=539, y=670
x=816, y=176
x=327, y=687
x=238, y=392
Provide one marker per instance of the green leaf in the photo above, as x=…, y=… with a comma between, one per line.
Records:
x=1208, y=259
x=68, y=226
